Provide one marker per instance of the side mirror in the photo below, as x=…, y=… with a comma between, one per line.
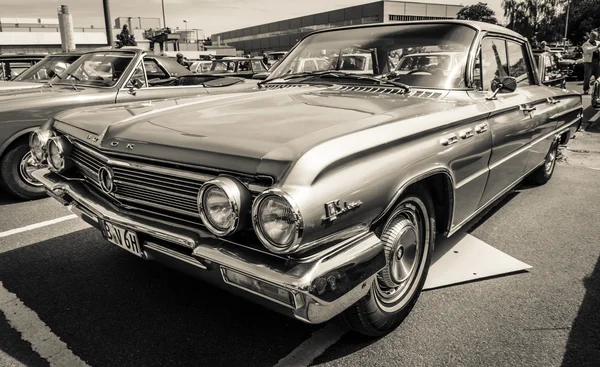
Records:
x=506, y=84
x=136, y=83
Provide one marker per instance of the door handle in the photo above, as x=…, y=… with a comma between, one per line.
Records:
x=527, y=108
x=449, y=140
x=465, y=134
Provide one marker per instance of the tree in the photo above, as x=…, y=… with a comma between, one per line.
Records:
x=528, y=16
x=480, y=12
x=584, y=16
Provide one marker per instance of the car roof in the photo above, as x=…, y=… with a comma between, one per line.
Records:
x=22, y=57
x=433, y=53
x=479, y=26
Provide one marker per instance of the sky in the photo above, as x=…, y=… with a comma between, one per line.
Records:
x=212, y=16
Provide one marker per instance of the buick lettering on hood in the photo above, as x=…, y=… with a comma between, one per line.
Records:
x=322, y=193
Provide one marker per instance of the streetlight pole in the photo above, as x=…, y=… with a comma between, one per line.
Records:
x=567, y=23
x=107, y=23
x=164, y=18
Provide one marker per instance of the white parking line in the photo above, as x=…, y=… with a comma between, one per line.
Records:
x=43, y=341
x=313, y=347
x=595, y=117
x=37, y=225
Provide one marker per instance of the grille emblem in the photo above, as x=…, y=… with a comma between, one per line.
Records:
x=106, y=179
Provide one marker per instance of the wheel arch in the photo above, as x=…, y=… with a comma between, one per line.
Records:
x=19, y=135
x=439, y=183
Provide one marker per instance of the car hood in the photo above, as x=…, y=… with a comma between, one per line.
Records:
x=12, y=86
x=262, y=132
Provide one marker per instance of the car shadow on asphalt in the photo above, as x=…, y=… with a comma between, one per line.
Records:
x=112, y=308
x=583, y=346
x=7, y=199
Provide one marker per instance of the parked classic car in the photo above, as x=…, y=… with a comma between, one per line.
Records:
x=574, y=62
x=42, y=71
x=12, y=65
x=273, y=57
x=242, y=67
x=596, y=94
x=549, y=70
x=97, y=77
x=322, y=193
x=200, y=66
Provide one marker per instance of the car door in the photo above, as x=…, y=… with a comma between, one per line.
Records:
x=148, y=91
x=512, y=118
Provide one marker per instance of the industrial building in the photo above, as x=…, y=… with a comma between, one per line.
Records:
x=282, y=35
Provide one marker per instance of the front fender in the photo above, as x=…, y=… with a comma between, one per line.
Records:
x=12, y=138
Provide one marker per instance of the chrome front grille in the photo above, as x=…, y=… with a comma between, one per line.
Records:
x=143, y=186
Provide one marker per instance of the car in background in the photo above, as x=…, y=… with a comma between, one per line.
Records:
x=200, y=66
x=11, y=65
x=443, y=63
x=242, y=67
x=549, y=69
x=126, y=75
x=273, y=57
x=596, y=94
x=320, y=194
x=40, y=73
x=574, y=62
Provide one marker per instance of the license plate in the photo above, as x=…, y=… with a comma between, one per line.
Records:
x=122, y=237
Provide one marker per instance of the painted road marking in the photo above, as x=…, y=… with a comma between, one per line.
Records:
x=313, y=347
x=43, y=341
x=595, y=117
x=36, y=225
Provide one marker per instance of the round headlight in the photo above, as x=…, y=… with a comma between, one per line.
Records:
x=220, y=202
x=277, y=221
x=37, y=143
x=58, y=151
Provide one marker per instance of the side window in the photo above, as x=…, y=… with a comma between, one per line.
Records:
x=492, y=62
x=244, y=66
x=549, y=63
x=153, y=71
x=138, y=73
x=517, y=63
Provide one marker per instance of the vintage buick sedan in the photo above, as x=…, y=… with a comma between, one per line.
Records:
x=95, y=78
x=323, y=193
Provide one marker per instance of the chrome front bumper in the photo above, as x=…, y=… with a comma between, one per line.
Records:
x=320, y=286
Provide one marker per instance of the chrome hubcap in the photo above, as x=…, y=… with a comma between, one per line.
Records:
x=404, y=239
x=26, y=167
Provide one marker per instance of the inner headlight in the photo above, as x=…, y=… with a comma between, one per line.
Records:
x=59, y=149
x=277, y=221
x=224, y=205
x=37, y=143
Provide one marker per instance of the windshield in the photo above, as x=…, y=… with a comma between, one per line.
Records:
x=420, y=55
x=47, y=68
x=97, y=69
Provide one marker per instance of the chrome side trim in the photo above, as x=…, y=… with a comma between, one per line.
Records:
x=472, y=177
x=563, y=113
x=530, y=144
x=181, y=257
x=556, y=132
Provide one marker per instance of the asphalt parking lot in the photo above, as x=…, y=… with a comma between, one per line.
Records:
x=82, y=300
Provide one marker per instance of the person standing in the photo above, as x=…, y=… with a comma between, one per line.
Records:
x=591, y=60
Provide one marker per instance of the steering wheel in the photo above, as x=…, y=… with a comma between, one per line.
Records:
x=418, y=71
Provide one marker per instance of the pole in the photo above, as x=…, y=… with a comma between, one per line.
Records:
x=567, y=23
x=67, y=34
x=164, y=18
x=107, y=23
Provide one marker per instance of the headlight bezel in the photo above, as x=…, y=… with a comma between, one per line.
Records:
x=298, y=222
x=239, y=197
x=64, y=149
x=44, y=135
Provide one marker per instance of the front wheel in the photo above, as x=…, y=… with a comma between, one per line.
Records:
x=408, y=238
x=15, y=174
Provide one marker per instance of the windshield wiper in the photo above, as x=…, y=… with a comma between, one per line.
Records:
x=339, y=74
x=73, y=76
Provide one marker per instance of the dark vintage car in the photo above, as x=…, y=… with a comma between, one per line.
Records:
x=37, y=75
x=12, y=65
x=242, y=67
x=574, y=62
x=322, y=193
x=596, y=94
x=549, y=69
x=97, y=77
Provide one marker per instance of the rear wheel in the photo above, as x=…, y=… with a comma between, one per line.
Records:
x=408, y=237
x=15, y=174
x=544, y=173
